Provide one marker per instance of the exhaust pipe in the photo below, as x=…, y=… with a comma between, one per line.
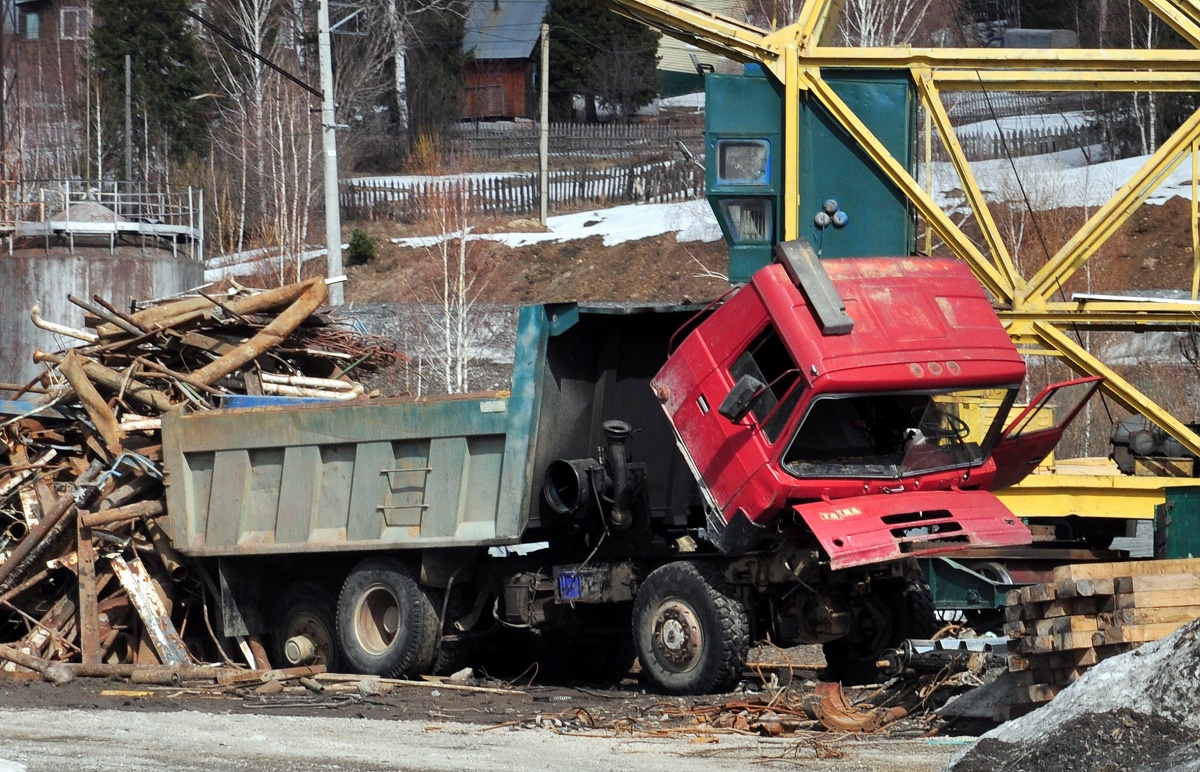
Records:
x=617, y=460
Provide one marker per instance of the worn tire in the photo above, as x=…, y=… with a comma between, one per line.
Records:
x=306, y=608
x=900, y=610
x=387, y=623
x=690, y=629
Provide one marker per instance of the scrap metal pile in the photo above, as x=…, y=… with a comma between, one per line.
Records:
x=87, y=572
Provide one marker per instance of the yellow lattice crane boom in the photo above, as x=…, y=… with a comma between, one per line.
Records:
x=798, y=57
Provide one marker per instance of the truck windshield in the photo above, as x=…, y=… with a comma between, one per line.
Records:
x=894, y=435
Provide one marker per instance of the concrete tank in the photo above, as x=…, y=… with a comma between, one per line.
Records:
x=46, y=278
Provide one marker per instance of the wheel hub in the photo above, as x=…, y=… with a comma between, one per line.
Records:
x=309, y=641
x=677, y=635
x=377, y=619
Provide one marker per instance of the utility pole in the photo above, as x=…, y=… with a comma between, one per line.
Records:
x=544, y=139
x=333, y=217
x=128, y=119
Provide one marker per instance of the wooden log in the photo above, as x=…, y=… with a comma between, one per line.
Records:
x=1127, y=584
x=1062, y=625
x=1066, y=607
x=1037, y=693
x=1125, y=569
x=1038, y=593
x=1136, y=633
x=1035, y=644
x=1155, y=615
x=1157, y=598
x=1084, y=588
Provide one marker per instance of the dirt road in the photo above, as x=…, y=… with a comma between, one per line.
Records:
x=45, y=739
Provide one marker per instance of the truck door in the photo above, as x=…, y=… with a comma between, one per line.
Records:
x=1039, y=427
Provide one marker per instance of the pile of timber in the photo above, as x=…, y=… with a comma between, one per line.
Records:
x=1090, y=612
x=87, y=574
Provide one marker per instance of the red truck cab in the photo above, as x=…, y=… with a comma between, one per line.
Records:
x=854, y=435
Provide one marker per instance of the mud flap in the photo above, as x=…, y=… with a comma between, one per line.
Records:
x=876, y=529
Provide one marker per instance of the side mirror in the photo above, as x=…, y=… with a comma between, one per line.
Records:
x=737, y=403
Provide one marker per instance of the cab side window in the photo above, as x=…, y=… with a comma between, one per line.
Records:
x=768, y=360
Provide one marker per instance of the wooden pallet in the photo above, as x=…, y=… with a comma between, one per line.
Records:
x=1088, y=613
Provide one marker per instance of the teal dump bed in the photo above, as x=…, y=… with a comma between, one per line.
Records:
x=443, y=472
x=383, y=474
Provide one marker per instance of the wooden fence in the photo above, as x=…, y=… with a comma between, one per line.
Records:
x=972, y=107
x=574, y=140
x=518, y=194
x=1025, y=142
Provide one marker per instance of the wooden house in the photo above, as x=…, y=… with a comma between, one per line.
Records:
x=504, y=37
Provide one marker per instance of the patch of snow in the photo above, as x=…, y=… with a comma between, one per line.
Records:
x=689, y=220
x=254, y=261
x=1053, y=180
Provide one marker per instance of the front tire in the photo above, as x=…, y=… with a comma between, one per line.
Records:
x=690, y=629
x=387, y=624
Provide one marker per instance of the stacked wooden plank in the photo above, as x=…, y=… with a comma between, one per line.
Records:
x=1090, y=612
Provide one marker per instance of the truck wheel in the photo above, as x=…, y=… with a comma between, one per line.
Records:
x=303, y=628
x=691, y=631
x=387, y=623
x=898, y=611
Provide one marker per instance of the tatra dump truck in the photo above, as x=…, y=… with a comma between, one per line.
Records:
x=769, y=466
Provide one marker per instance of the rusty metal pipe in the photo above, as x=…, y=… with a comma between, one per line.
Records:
x=313, y=295
x=114, y=382
x=134, y=511
x=172, y=674
x=64, y=504
x=170, y=557
x=17, y=531
x=35, y=314
x=52, y=518
x=18, y=657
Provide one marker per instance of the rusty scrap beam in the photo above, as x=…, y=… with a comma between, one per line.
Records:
x=313, y=296
x=135, y=511
x=97, y=409
x=133, y=389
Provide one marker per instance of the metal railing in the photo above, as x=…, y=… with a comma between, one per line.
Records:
x=158, y=215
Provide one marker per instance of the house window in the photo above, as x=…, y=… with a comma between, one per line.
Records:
x=76, y=23
x=30, y=25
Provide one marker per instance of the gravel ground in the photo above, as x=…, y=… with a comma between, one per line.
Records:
x=49, y=739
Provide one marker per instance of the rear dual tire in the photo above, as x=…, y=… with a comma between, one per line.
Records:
x=387, y=623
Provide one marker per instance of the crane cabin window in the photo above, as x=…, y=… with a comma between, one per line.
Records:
x=743, y=162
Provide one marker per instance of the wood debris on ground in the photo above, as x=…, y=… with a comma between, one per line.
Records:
x=88, y=575
x=1089, y=613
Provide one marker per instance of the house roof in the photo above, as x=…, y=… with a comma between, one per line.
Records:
x=504, y=29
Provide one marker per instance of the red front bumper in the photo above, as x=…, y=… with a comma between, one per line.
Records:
x=875, y=529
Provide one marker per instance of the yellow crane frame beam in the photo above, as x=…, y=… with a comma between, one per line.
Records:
x=797, y=53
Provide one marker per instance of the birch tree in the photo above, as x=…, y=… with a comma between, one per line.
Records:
x=873, y=23
x=400, y=18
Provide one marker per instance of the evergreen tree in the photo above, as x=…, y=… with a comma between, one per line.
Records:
x=597, y=53
x=168, y=74
x=436, y=63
